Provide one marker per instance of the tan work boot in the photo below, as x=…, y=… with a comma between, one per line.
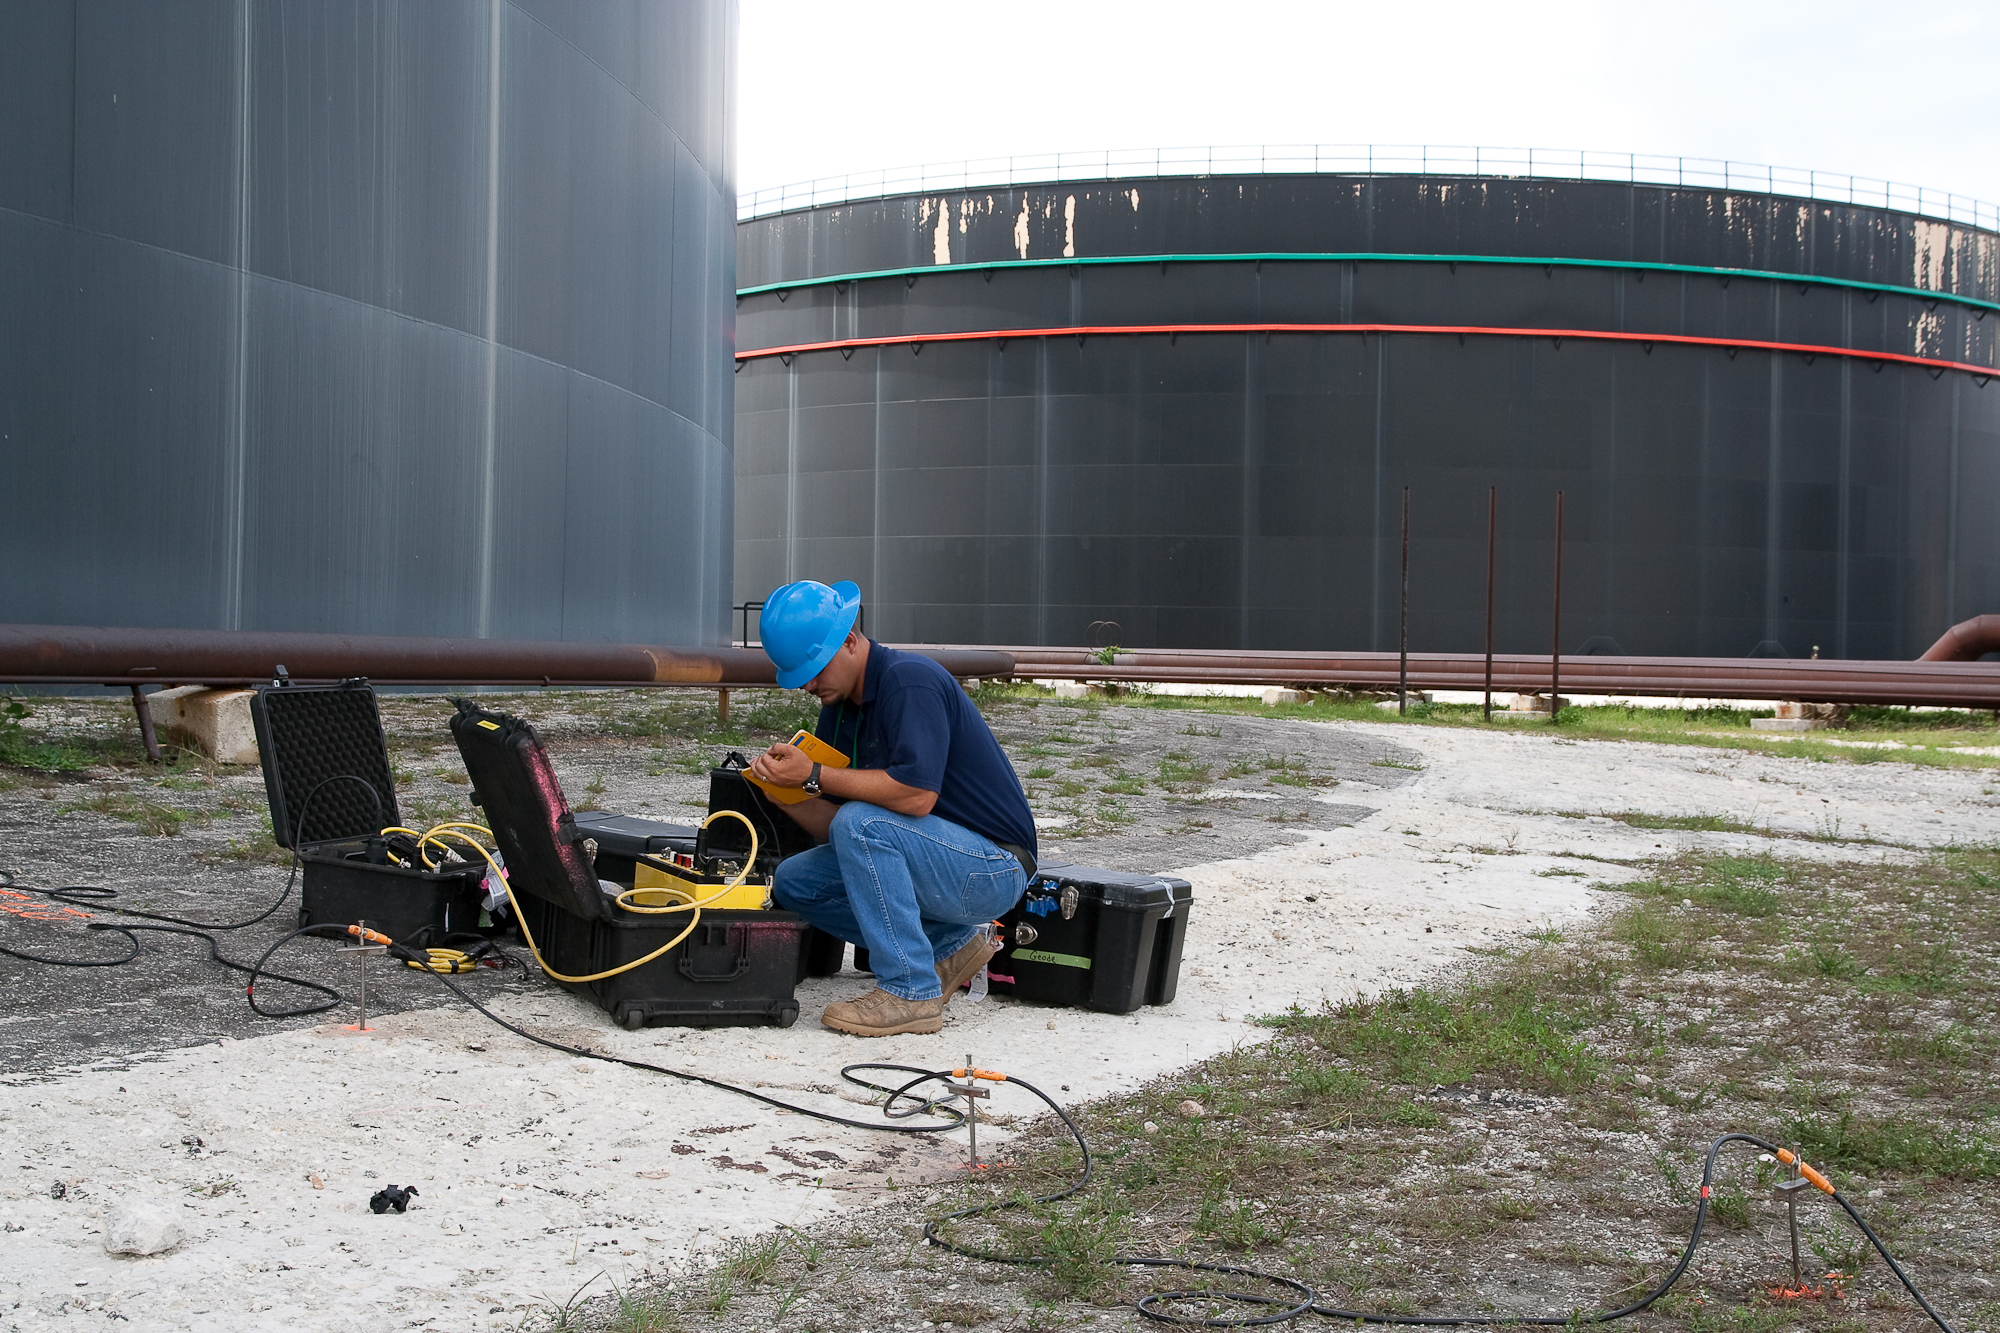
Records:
x=963, y=965
x=880, y=1014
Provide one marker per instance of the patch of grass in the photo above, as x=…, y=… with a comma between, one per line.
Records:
x=1661, y=938
x=22, y=748
x=1124, y=784
x=1180, y=770
x=1079, y=1240
x=643, y=1312
x=1898, y=1144
x=259, y=848
x=1502, y=1029
x=1696, y=823
x=1746, y=885
x=151, y=817
x=1040, y=771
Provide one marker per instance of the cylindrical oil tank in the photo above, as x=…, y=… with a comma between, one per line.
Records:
x=1182, y=412
x=387, y=316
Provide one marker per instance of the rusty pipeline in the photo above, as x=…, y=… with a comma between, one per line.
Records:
x=1966, y=641
x=1817, y=680
x=87, y=655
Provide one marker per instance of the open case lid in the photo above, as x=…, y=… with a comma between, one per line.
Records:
x=325, y=759
x=515, y=785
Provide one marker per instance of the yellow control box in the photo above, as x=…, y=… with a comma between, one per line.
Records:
x=668, y=888
x=814, y=749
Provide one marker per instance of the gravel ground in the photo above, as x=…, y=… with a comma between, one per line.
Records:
x=1328, y=861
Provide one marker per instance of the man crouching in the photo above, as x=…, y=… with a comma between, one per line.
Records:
x=925, y=837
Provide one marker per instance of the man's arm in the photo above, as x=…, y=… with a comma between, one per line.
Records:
x=788, y=766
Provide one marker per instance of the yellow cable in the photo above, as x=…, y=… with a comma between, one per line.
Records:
x=688, y=902
x=458, y=832
x=450, y=962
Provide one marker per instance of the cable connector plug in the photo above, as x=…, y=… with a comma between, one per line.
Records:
x=1790, y=1158
x=967, y=1071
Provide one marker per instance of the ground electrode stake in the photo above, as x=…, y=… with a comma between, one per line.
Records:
x=1788, y=1191
x=361, y=961
x=973, y=1094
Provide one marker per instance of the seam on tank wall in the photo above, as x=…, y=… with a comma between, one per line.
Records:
x=355, y=301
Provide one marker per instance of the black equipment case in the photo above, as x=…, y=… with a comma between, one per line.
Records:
x=736, y=968
x=777, y=835
x=1094, y=939
x=326, y=772
x=622, y=839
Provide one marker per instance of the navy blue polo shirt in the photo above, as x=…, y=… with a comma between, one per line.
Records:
x=917, y=723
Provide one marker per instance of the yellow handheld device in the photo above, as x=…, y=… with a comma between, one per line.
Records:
x=816, y=750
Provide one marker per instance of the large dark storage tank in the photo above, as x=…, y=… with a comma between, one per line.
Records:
x=412, y=316
x=1092, y=453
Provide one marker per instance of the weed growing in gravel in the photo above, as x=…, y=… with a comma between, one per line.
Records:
x=150, y=817
x=22, y=747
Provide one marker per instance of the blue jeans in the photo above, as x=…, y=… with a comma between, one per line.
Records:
x=911, y=891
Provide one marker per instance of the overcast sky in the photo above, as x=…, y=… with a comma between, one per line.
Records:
x=1905, y=92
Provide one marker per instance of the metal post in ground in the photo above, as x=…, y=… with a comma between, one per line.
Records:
x=722, y=708
x=1492, y=519
x=1403, y=664
x=145, y=723
x=1555, y=644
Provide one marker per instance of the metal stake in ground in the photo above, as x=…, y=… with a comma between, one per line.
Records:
x=1556, y=643
x=1403, y=665
x=361, y=961
x=973, y=1094
x=1788, y=1191
x=1492, y=523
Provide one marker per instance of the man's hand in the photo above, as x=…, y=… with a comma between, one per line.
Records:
x=783, y=766
x=787, y=766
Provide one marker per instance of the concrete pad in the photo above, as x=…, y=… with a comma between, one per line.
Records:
x=215, y=722
x=1282, y=696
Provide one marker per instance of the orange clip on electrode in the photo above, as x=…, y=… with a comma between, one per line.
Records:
x=989, y=1075
x=367, y=936
x=814, y=749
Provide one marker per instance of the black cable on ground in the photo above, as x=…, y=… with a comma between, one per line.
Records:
x=954, y=1117
x=256, y=970
x=99, y=899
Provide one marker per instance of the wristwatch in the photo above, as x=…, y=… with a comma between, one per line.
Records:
x=811, y=784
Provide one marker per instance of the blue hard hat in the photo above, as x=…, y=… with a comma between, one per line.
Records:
x=804, y=624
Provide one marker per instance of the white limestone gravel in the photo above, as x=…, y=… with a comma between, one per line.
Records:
x=539, y=1172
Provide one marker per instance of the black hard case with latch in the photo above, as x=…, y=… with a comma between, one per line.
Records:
x=327, y=775
x=736, y=968
x=1094, y=939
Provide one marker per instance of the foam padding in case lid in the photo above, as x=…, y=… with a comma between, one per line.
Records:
x=325, y=758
